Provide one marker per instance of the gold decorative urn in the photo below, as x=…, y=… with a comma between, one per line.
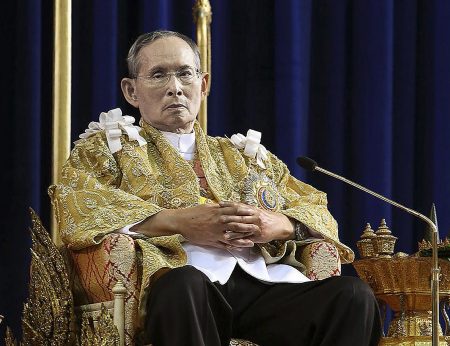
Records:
x=402, y=282
x=365, y=245
x=384, y=241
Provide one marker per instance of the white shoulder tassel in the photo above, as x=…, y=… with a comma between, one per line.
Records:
x=251, y=145
x=114, y=125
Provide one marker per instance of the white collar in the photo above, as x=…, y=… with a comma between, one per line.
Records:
x=183, y=142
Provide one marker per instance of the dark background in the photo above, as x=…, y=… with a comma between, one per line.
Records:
x=362, y=86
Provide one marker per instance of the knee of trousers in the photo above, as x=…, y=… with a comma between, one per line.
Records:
x=354, y=290
x=178, y=284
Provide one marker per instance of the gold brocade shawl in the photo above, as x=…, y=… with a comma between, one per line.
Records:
x=101, y=192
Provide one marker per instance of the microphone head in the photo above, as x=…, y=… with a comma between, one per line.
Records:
x=307, y=163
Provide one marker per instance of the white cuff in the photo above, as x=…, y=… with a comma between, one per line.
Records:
x=126, y=230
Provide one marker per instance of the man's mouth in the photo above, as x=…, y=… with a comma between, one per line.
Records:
x=175, y=106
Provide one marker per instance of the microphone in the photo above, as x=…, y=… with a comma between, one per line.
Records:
x=307, y=163
x=312, y=166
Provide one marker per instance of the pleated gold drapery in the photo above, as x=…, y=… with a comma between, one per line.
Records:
x=62, y=80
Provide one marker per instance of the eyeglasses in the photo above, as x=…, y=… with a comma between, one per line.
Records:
x=185, y=75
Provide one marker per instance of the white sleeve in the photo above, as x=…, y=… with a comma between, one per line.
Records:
x=126, y=230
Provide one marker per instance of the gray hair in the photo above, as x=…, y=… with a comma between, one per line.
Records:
x=133, y=59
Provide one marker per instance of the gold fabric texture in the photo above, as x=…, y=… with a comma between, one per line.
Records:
x=102, y=192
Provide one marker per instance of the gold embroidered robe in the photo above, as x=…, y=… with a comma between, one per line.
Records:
x=101, y=192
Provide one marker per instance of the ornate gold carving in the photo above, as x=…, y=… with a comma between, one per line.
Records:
x=365, y=245
x=48, y=314
x=384, y=242
x=9, y=340
x=101, y=332
x=413, y=341
x=395, y=276
x=426, y=245
x=404, y=284
x=411, y=323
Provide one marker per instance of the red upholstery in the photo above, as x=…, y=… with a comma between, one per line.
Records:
x=100, y=267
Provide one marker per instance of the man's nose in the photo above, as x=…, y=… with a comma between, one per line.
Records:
x=174, y=86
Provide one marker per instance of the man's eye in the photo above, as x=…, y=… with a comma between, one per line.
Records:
x=185, y=73
x=158, y=76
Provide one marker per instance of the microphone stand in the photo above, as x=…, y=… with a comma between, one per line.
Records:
x=435, y=265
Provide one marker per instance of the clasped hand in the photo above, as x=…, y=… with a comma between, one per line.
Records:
x=230, y=224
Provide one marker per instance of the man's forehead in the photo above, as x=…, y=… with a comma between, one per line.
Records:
x=167, y=51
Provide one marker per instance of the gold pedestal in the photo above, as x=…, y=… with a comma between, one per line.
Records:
x=403, y=283
x=413, y=341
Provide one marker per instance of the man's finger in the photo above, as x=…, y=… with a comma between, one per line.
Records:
x=234, y=208
x=227, y=203
x=236, y=235
x=250, y=219
x=237, y=243
x=242, y=227
x=241, y=243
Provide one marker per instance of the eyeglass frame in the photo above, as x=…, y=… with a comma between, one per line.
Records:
x=147, y=78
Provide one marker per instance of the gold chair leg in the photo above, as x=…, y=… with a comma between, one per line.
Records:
x=119, y=291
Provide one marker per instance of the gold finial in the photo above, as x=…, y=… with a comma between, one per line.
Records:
x=383, y=228
x=365, y=246
x=368, y=232
x=384, y=241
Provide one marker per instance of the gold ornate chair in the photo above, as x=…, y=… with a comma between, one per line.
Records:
x=97, y=269
x=101, y=279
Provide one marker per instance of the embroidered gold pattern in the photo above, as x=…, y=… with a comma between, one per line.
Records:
x=259, y=190
x=101, y=192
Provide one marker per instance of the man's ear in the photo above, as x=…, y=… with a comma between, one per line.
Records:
x=205, y=80
x=129, y=91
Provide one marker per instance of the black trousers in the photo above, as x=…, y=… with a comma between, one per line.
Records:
x=186, y=308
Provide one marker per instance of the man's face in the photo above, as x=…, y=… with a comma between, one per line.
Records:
x=174, y=106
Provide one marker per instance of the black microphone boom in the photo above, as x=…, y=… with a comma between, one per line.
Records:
x=311, y=165
x=307, y=163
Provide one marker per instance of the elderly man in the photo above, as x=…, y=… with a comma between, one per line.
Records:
x=218, y=221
